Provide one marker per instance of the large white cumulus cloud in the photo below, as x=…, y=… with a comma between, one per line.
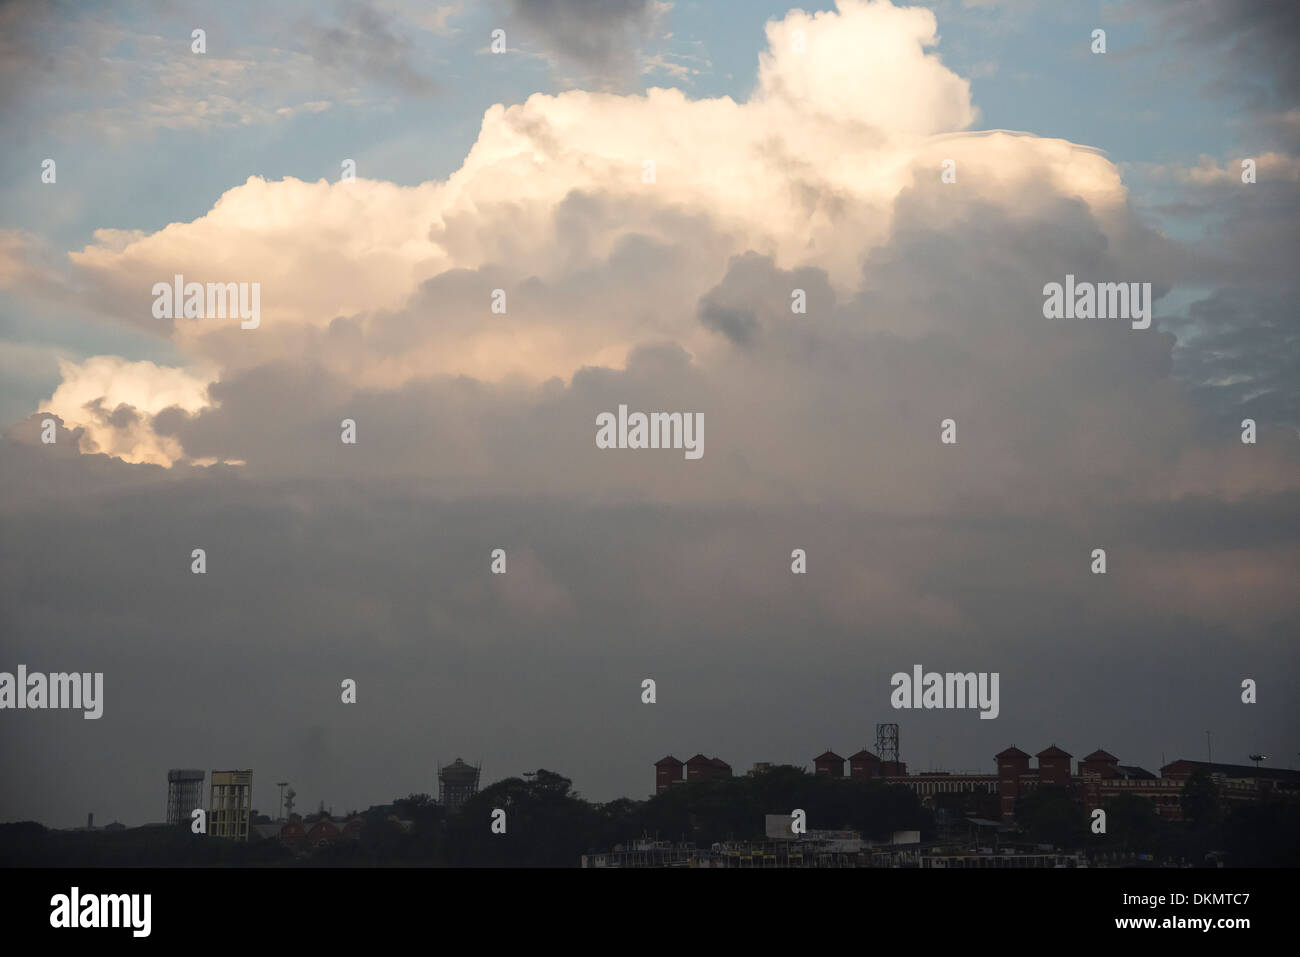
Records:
x=864, y=64
x=553, y=190
x=673, y=290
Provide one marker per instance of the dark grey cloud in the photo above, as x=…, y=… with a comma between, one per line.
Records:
x=753, y=294
x=364, y=42
x=310, y=582
x=1240, y=350
x=31, y=55
x=1248, y=47
x=1258, y=36
x=602, y=38
x=1239, y=339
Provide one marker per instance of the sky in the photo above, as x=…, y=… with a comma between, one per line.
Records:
x=641, y=186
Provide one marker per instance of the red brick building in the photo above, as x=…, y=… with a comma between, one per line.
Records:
x=1054, y=767
x=1100, y=778
x=864, y=764
x=700, y=768
x=828, y=764
x=323, y=831
x=1013, y=780
x=294, y=832
x=668, y=771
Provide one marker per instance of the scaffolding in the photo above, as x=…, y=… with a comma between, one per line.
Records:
x=184, y=794
x=887, y=743
x=457, y=783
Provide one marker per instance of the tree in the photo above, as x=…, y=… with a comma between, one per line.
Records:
x=1200, y=801
x=1132, y=824
x=1263, y=835
x=546, y=825
x=1050, y=815
x=620, y=821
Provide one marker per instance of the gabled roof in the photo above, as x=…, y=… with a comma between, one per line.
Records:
x=828, y=756
x=668, y=760
x=1100, y=755
x=699, y=759
x=1011, y=752
x=1052, y=752
x=1134, y=772
x=863, y=755
x=719, y=763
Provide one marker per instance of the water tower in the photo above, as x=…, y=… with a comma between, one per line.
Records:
x=457, y=783
x=184, y=794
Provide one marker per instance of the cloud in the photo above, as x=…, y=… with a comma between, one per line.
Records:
x=754, y=293
x=555, y=189
x=827, y=179
x=1236, y=349
x=437, y=19
x=476, y=429
x=26, y=264
x=677, y=65
x=112, y=401
x=599, y=38
x=1207, y=171
x=1241, y=49
x=865, y=64
x=365, y=41
x=1241, y=351
x=387, y=582
x=124, y=80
